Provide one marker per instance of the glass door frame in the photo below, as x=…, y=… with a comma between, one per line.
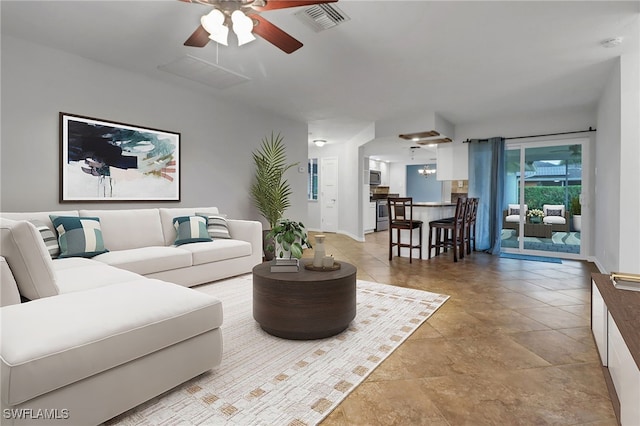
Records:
x=521, y=146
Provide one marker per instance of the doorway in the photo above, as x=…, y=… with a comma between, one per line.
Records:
x=543, y=195
x=329, y=194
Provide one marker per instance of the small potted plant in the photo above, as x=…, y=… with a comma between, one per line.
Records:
x=535, y=215
x=576, y=213
x=289, y=238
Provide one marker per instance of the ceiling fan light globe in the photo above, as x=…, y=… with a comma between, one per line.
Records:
x=213, y=23
x=242, y=26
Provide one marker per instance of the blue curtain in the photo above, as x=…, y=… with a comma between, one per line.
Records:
x=486, y=181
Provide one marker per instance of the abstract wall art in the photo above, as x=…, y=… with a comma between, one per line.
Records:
x=109, y=161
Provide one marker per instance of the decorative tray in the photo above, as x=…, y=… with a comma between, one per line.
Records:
x=335, y=267
x=624, y=281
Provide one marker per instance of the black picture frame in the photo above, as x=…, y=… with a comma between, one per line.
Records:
x=108, y=161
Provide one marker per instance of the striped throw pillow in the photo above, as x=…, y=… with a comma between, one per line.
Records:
x=217, y=226
x=49, y=237
x=190, y=229
x=79, y=236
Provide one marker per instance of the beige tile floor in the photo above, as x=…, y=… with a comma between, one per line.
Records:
x=512, y=346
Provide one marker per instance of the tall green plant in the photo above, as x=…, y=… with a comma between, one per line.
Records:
x=270, y=191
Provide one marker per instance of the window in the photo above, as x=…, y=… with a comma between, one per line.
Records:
x=312, y=179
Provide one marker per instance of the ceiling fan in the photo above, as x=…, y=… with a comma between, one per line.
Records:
x=245, y=19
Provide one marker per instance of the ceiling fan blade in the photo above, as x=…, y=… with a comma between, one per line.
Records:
x=282, y=4
x=199, y=38
x=275, y=35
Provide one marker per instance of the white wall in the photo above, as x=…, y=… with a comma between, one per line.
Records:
x=216, y=143
x=607, y=171
x=630, y=163
x=617, y=234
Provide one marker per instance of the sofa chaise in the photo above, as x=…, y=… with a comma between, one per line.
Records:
x=85, y=339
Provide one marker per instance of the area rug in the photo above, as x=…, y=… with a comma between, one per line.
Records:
x=530, y=257
x=265, y=380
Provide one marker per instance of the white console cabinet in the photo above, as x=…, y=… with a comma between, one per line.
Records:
x=616, y=330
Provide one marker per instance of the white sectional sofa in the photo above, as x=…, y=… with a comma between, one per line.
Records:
x=99, y=336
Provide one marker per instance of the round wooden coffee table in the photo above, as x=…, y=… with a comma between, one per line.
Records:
x=306, y=304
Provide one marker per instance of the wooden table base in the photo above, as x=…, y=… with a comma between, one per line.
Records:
x=306, y=304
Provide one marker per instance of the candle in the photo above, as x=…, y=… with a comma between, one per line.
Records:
x=327, y=262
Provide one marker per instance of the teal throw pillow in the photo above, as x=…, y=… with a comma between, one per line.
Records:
x=79, y=236
x=191, y=229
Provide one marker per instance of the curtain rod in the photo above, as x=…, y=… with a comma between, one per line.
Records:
x=535, y=136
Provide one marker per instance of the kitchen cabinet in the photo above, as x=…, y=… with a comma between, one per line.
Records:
x=616, y=331
x=370, y=217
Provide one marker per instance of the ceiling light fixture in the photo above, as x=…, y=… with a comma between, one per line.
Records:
x=214, y=23
x=426, y=171
x=242, y=26
x=319, y=142
x=611, y=42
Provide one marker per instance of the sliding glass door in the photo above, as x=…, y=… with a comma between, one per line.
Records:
x=543, y=191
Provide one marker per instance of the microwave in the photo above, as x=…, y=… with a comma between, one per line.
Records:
x=375, y=177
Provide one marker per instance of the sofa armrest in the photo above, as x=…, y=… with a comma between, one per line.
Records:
x=247, y=230
x=9, y=294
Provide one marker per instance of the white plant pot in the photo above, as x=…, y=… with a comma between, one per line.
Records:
x=577, y=222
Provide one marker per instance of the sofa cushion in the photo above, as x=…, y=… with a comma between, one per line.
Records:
x=167, y=215
x=81, y=330
x=129, y=228
x=28, y=259
x=78, y=274
x=218, y=250
x=217, y=226
x=190, y=229
x=48, y=236
x=148, y=260
x=79, y=236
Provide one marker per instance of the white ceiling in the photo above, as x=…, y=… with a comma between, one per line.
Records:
x=467, y=61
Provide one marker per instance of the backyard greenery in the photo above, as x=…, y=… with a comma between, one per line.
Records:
x=536, y=196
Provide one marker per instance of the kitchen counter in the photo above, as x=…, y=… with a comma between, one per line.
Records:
x=426, y=212
x=433, y=204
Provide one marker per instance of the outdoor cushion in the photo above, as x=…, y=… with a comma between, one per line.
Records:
x=547, y=207
x=513, y=213
x=138, y=318
x=148, y=260
x=554, y=220
x=217, y=250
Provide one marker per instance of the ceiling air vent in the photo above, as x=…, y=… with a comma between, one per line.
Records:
x=204, y=72
x=322, y=16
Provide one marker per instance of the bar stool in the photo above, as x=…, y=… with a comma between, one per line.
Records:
x=470, y=225
x=453, y=235
x=401, y=218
